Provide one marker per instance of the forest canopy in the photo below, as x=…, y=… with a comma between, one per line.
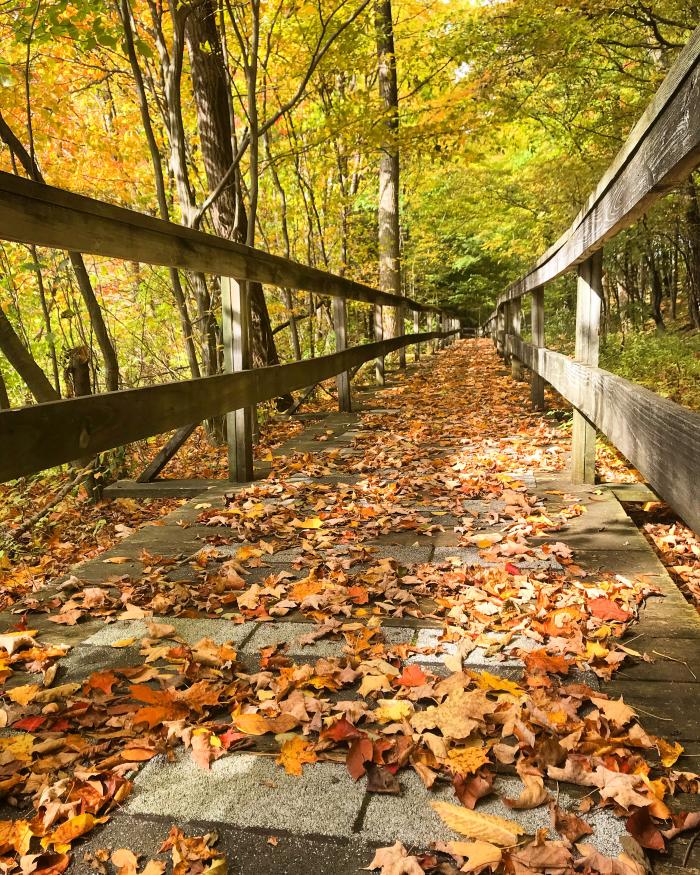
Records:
x=269, y=122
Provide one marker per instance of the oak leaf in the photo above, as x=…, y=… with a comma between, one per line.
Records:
x=395, y=861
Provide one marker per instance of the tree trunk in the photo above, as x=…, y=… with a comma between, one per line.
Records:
x=209, y=87
x=178, y=292
x=388, y=213
x=23, y=362
x=4, y=397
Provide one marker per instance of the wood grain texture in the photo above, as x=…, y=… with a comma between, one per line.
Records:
x=661, y=150
x=44, y=435
x=46, y=216
x=660, y=438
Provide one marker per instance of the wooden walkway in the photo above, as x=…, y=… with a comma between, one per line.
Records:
x=409, y=486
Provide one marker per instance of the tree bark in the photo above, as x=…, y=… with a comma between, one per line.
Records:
x=23, y=362
x=388, y=212
x=209, y=86
x=178, y=292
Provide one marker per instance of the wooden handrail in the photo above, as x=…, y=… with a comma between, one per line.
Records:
x=31, y=212
x=43, y=435
x=660, y=438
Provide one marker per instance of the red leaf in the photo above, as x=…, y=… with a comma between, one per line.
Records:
x=645, y=831
x=413, y=676
x=512, y=569
x=361, y=751
x=343, y=730
x=605, y=609
x=29, y=723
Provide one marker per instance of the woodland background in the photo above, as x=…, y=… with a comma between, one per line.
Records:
x=508, y=112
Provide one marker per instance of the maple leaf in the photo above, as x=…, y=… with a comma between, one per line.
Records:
x=487, y=681
x=392, y=710
x=15, y=835
x=412, y=676
x=615, y=710
x=605, y=609
x=484, y=827
x=644, y=830
x=466, y=760
x=294, y=753
x=395, y=861
x=458, y=716
x=479, y=855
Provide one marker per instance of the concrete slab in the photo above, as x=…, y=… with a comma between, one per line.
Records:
x=269, y=634
x=248, y=851
x=220, y=631
x=250, y=791
x=471, y=556
x=410, y=819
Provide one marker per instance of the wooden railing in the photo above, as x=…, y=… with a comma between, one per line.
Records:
x=43, y=435
x=660, y=438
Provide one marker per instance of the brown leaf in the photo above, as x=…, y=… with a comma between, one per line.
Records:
x=568, y=824
x=395, y=861
x=381, y=780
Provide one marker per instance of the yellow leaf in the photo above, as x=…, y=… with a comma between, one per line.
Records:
x=478, y=854
x=668, y=753
x=488, y=681
x=466, y=760
x=392, y=710
x=294, y=753
x=484, y=827
x=19, y=746
x=310, y=523
x=23, y=695
x=123, y=642
x=67, y=832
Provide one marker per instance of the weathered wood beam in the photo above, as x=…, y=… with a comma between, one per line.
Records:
x=161, y=459
x=41, y=436
x=660, y=152
x=235, y=319
x=46, y=216
x=340, y=327
x=589, y=291
x=660, y=438
x=537, y=330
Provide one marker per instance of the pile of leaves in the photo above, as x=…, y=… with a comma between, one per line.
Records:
x=76, y=745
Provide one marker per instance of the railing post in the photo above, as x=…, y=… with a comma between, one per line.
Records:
x=416, y=330
x=588, y=302
x=400, y=331
x=500, y=329
x=235, y=313
x=537, y=325
x=515, y=312
x=342, y=380
x=378, y=335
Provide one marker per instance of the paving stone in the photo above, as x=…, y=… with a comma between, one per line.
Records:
x=192, y=630
x=83, y=660
x=269, y=634
x=470, y=556
x=430, y=638
x=250, y=791
x=410, y=819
